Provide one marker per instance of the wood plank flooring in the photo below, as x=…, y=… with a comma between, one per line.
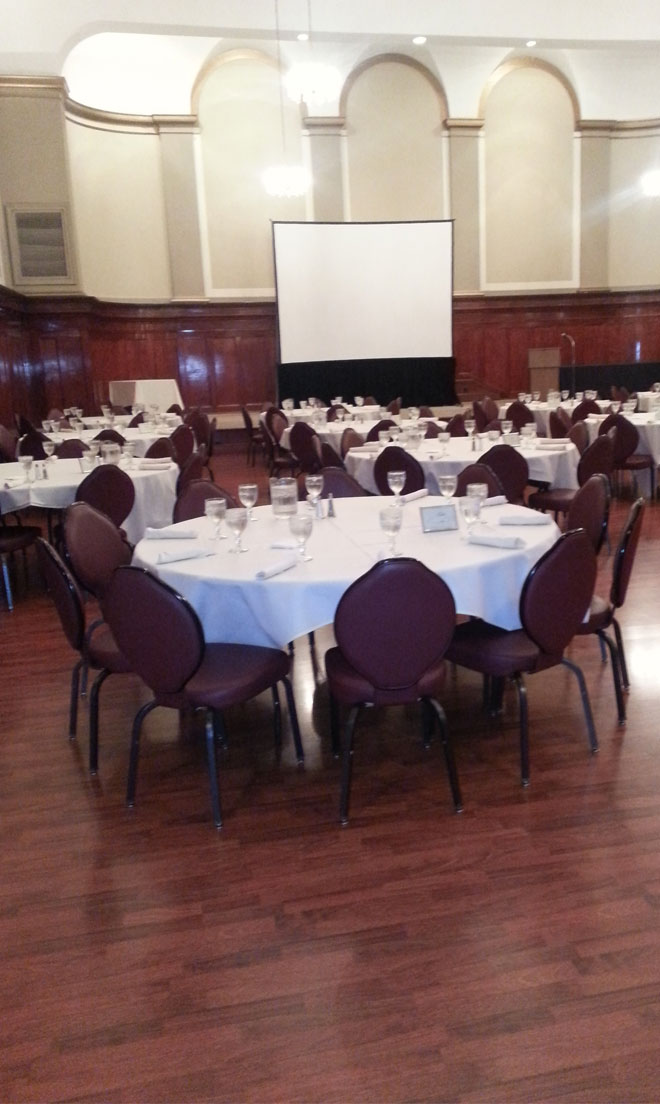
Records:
x=511, y=953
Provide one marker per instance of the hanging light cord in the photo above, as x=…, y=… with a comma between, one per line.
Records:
x=279, y=76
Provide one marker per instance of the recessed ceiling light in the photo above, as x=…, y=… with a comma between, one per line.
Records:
x=530, y=42
x=303, y=37
x=419, y=40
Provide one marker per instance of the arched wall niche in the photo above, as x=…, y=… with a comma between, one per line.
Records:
x=396, y=157
x=529, y=179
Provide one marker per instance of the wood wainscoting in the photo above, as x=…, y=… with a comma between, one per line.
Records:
x=64, y=351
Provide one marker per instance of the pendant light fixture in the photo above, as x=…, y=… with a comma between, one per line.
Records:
x=285, y=180
x=311, y=82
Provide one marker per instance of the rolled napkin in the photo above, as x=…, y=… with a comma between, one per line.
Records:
x=366, y=450
x=412, y=495
x=164, y=557
x=277, y=567
x=284, y=544
x=494, y=540
x=494, y=500
x=554, y=444
x=533, y=517
x=170, y=532
x=147, y=464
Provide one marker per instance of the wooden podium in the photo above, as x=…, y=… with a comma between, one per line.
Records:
x=543, y=366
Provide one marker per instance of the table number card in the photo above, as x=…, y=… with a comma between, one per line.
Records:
x=438, y=519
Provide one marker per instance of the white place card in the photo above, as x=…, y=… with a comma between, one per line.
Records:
x=438, y=519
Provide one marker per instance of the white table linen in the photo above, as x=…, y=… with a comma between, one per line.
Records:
x=154, y=492
x=558, y=467
x=140, y=440
x=152, y=392
x=234, y=605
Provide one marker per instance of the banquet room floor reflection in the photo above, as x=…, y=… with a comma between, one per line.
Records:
x=509, y=953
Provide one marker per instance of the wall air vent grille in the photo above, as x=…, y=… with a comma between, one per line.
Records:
x=39, y=246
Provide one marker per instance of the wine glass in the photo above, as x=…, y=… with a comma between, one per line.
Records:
x=94, y=447
x=478, y=491
x=26, y=464
x=215, y=510
x=248, y=494
x=396, y=481
x=314, y=488
x=49, y=448
x=237, y=520
x=301, y=527
x=443, y=440
x=390, y=523
x=469, y=424
x=470, y=506
x=564, y=395
x=507, y=425
x=447, y=485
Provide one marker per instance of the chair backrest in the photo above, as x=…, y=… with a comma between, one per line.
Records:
x=426, y=412
x=478, y=473
x=394, y=622
x=8, y=442
x=511, y=469
x=305, y=444
x=384, y=423
x=519, y=413
x=190, y=503
x=598, y=457
x=394, y=407
x=155, y=628
x=192, y=469
x=395, y=458
x=175, y=408
x=456, y=426
x=247, y=420
x=432, y=430
x=557, y=592
x=624, y=557
x=63, y=589
x=481, y=419
x=94, y=545
x=200, y=425
x=626, y=436
x=110, y=490
x=161, y=447
x=31, y=444
x=491, y=408
x=590, y=509
x=350, y=438
x=182, y=440
x=71, y=449
x=276, y=422
x=111, y=435
x=584, y=409
x=579, y=435
x=558, y=425
x=330, y=458
x=333, y=410
x=338, y=483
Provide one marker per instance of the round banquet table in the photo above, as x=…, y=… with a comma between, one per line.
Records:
x=154, y=492
x=552, y=462
x=235, y=606
x=330, y=433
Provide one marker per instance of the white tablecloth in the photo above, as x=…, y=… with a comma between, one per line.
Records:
x=330, y=433
x=541, y=412
x=154, y=492
x=161, y=392
x=235, y=606
x=558, y=467
x=140, y=440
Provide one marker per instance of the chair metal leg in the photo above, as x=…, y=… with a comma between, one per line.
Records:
x=213, y=769
x=277, y=716
x=427, y=723
x=450, y=762
x=334, y=728
x=293, y=717
x=5, y=575
x=73, y=700
x=586, y=704
x=616, y=674
x=524, y=729
x=135, y=752
x=219, y=729
x=347, y=764
x=94, y=720
x=625, y=681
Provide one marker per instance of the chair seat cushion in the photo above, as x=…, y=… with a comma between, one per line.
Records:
x=350, y=687
x=232, y=673
x=15, y=537
x=557, y=499
x=637, y=462
x=600, y=617
x=494, y=651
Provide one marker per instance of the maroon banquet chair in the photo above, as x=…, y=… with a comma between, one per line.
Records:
x=392, y=628
x=554, y=599
x=136, y=420
x=590, y=509
x=626, y=443
x=478, y=473
x=338, y=483
x=350, y=438
x=254, y=435
x=306, y=446
x=584, y=409
x=71, y=449
x=599, y=457
x=111, y=436
x=602, y=611
x=96, y=649
x=481, y=419
x=395, y=458
x=559, y=423
x=161, y=635
x=519, y=413
x=330, y=458
x=161, y=448
x=432, y=430
x=32, y=444
x=95, y=547
x=110, y=489
x=182, y=440
x=579, y=435
x=8, y=442
x=384, y=423
x=191, y=502
x=511, y=469
x=13, y=539
x=456, y=426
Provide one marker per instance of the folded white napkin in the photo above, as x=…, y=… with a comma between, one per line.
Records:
x=277, y=567
x=163, y=556
x=494, y=540
x=533, y=517
x=554, y=444
x=494, y=500
x=170, y=532
x=14, y=481
x=147, y=464
x=412, y=495
x=284, y=544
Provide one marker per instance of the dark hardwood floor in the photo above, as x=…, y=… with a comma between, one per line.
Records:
x=511, y=953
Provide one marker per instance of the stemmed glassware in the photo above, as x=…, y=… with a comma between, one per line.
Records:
x=215, y=510
x=507, y=425
x=248, y=494
x=300, y=525
x=314, y=488
x=390, y=523
x=396, y=481
x=443, y=439
x=479, y=491
x=470, y=425
x=26, y=463
x=49, y=448
x=447, y=485
x=237, y=520
x=470, y=506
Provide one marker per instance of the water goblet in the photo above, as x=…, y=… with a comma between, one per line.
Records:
x=47, y=426
x=359, y=400
x=478, y=491
x=443, y=440
x=390, y=523
x=49, y=448
x=26, y=463
x=396, y=481
x=470, y=506
x=55, y=424
x=507, y=426
x=215, y=510
x=615, y=407
x=314, y=488
x=383, y=436
x=127, y=453
x=447, y=485
x=237, y=520
x=564, y=395
x=536, y=396
x=521, y=396
x=248, y=494
x=94, y=447
x=300, y=525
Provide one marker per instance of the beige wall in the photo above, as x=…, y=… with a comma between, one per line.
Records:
x=634, y=224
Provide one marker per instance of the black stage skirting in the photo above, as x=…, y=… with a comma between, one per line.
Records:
x=418, y=380
x=601, y=377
